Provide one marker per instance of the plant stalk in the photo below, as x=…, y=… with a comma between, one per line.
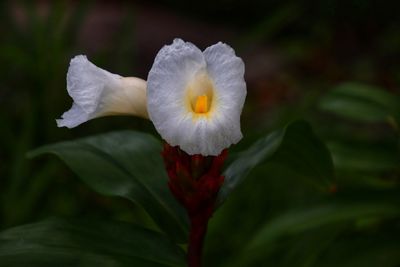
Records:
x=198, y=229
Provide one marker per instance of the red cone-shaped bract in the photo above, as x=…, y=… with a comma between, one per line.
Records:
x=195, y=181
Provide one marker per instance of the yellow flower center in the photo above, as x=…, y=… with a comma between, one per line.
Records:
x=201, y=105
x=200, y=98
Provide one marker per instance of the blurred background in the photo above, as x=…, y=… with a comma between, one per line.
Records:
x=333, y=63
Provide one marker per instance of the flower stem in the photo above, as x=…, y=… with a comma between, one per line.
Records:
x=198, y=229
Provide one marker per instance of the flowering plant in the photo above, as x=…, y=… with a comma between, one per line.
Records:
x=195, y=100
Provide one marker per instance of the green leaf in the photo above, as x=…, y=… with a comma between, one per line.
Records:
x=367, y=156
x=341, y=209
x=361, y=102
x=295, y=147
x=126, y=164
x=381, y=249
x=59, y=242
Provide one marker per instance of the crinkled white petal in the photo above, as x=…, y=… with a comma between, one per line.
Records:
x=175, y=68
x=226, y=70
x=97, y=92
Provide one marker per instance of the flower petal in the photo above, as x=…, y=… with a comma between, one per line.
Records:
x=97, y=92
x=226, y=70
x=175, y=68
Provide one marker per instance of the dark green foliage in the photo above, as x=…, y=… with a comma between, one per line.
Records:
x=59, y=242
x=362, y=102
x=126, y=164
x=295, y=147
x=341, y=209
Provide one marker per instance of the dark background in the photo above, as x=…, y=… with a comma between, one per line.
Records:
x=295, y=53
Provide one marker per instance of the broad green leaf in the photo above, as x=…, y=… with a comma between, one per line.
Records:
x=372, y=250
x=368, y=157
x=126, y=164
x=361, y=102
x=295, y=147
x=340, y=209
x=58, y=242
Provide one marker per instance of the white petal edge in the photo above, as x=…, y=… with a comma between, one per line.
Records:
x=214, y=134
x=97, y=92
x=226, y=70
x=174, y=66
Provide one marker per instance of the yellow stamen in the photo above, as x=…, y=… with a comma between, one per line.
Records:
x=201, y=105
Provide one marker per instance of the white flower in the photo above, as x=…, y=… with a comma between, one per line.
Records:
x=98, y=93
x=194, y=98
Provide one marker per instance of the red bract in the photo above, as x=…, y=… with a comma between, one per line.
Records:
x=195, y=181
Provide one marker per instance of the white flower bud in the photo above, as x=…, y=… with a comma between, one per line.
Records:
x=97, y=92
